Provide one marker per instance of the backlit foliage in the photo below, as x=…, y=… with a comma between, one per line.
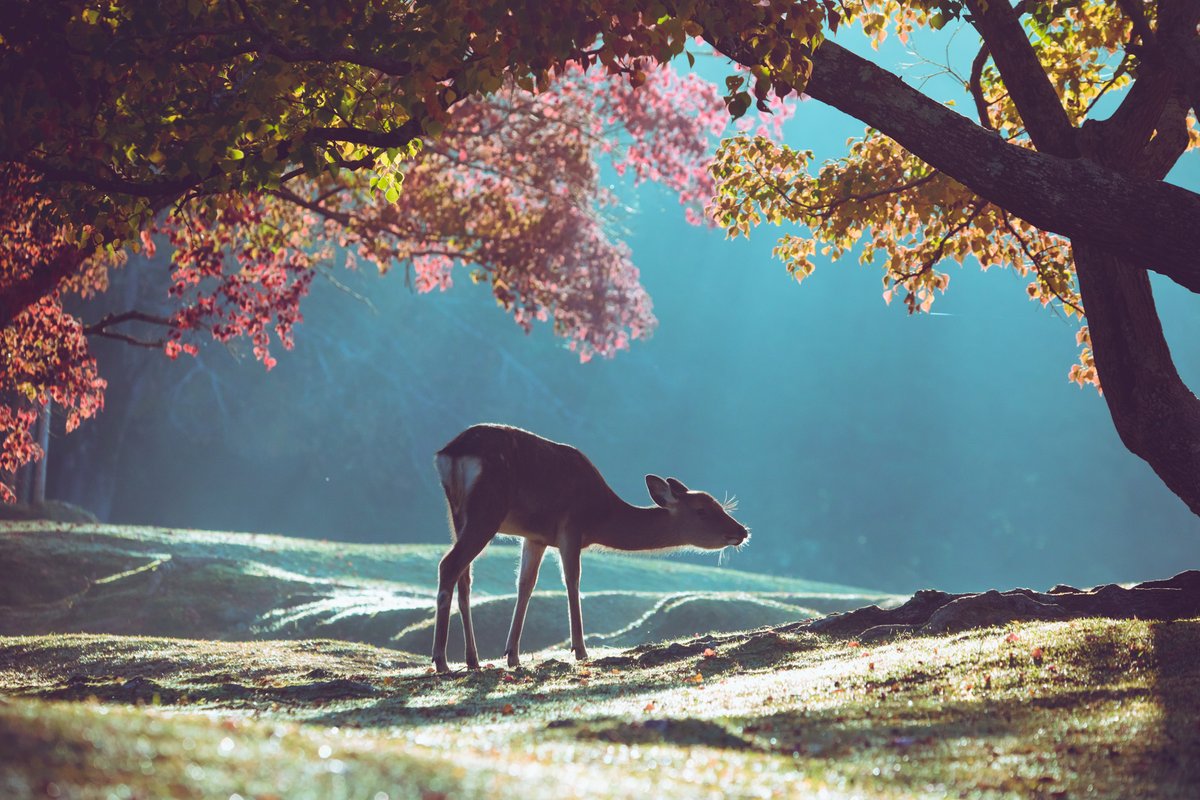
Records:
x=902, y=214
x=254, y=170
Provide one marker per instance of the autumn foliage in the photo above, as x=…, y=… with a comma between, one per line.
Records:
x=511, y=194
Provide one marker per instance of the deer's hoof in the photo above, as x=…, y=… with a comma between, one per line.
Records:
x=580, y=653
x=440, y=665
x=514, y=660
x=473, y=663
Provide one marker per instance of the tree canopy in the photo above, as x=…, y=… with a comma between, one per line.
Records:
x=228, y=112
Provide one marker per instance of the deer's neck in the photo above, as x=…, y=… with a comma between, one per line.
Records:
x=630, y=527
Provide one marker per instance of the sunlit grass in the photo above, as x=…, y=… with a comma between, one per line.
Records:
x=1089, y=708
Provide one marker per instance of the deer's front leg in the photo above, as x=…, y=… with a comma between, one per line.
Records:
x=569, y=551
x=531, y=560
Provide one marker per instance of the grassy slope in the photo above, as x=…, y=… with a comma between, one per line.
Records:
x=414, y=566
x=1089, y=708
x=125, y=580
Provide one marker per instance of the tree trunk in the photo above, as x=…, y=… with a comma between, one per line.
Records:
x=22, y=481
x=1156, y=415
x=37, y=492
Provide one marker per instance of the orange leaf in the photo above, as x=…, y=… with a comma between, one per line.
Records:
x=709, y=653
x=508, y=709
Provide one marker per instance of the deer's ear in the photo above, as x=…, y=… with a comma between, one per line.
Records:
x=677, y=487
x=660, y=491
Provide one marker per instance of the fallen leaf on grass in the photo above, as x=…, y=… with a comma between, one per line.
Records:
x=508, y=709
x=709, y=653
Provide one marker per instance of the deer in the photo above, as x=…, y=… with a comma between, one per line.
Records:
x=504, y=480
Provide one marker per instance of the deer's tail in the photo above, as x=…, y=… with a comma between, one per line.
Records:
x=458, y=474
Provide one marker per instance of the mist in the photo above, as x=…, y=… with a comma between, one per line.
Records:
x=865, y=446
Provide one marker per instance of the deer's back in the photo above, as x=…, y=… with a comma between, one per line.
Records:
x=540, y=482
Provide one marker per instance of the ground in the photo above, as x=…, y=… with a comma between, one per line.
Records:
x=1074, y=708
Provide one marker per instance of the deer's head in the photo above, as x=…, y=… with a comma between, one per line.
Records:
x=700, y=519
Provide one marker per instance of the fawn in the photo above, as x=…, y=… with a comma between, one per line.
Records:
x=501, y=479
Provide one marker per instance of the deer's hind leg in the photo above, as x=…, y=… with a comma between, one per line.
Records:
x=531, y=560
x=568, y=552
x=476, y=519
x=464, y=611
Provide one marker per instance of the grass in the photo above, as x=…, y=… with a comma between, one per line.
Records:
x=143, y=663
x=1087, y=708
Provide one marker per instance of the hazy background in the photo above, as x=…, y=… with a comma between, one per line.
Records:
x=866, y=447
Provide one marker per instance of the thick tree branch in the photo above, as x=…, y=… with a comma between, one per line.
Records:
x=1170, y=139
x=1024, y=76
x=1134, y=121
x=113, y=184
x=1150, y=223
x=43, y=279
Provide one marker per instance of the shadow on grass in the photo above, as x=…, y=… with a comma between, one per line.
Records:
x=1177, y=688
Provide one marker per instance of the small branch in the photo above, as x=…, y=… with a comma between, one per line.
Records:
x=940, y=250
x=823, y=212
x=1117, y=73
x=328, y=275
x=976, y=87
x=101, y=328
x=1037, y=262
x=316, y=207
x=1032, y=93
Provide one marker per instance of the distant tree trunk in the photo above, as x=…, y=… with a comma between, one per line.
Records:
x=22, y=481
x=37, y=491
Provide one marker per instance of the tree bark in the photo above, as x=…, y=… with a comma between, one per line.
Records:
x=1156, y=415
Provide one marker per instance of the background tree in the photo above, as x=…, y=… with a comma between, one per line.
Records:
x=511, y=189
x=115, y=132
